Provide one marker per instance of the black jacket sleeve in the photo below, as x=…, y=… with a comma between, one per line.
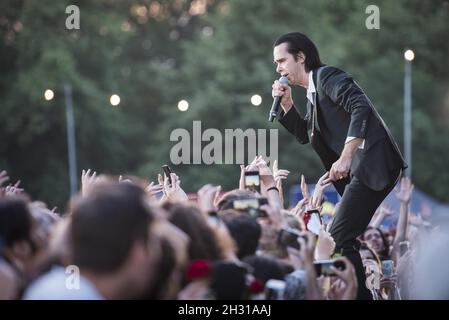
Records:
x=295, y=124
x=344, y=91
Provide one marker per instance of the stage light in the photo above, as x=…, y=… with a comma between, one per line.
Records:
x=256, y=100
x=114, y=100
x=49, y=94
x=183, y=105
x=409, y=55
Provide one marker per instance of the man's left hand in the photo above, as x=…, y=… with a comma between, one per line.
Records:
x=340, y=169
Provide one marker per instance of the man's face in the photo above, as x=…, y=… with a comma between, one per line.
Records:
x=286, y=65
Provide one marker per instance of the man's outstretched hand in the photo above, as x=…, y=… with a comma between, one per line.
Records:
x=340, y=168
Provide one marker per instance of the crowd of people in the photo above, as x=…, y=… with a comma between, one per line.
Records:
x=128, y=238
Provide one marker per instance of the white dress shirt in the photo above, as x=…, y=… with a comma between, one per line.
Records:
x=311, y=90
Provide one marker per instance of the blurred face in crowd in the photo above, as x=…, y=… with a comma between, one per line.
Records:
x=374, y=239
x=288, y=65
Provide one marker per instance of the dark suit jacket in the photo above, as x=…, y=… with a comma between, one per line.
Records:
x=344, y=110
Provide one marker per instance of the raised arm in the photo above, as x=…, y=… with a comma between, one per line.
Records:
x=404, y=196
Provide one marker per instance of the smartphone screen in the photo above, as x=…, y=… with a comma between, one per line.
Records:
x=251, y=206
x=243, y=204
x=387, y=268
x=252, y=181
x=167, y=172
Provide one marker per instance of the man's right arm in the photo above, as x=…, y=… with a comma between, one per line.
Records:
x=289, y=117
x=295, y=124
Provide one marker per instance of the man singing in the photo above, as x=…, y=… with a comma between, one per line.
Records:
x=351, y=139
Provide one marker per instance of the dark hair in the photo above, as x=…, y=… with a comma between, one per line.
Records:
x=164, y=269
x=229, y=281
x=203, y=242
x=265, y=268
x=15, y=221
x=106, y=224
x=246, y=233
x=298, y=42
x=383, y=254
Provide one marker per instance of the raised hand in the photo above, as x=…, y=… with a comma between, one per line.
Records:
x=386, y=210
x=13, y=190
x=266, y=176
x=304, y=188
x=325, y=245
x=174, y=191
x=383, y=211
x=153, y=190
x=242, y=177
x=87, y=181
x=206, y=197
x=279, y=174
x=320, y=186
x=259, y=164
x=300, y=209
x=253, y=165
x=406, y=189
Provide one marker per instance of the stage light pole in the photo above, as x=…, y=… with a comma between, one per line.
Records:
x=71, y=145
x=409, y=55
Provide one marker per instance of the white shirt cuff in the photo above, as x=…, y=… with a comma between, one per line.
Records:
x=361, y=146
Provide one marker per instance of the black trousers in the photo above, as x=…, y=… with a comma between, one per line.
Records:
x=357, y=207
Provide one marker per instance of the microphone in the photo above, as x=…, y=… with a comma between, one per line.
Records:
x=276, y=102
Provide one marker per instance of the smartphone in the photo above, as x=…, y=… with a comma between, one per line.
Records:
x=387, y=268
x=252, y=181
x=324, y=267
x=404, y=246
x=289, y=238
x=312, y=220
x=167, y=172
x=252, y=206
